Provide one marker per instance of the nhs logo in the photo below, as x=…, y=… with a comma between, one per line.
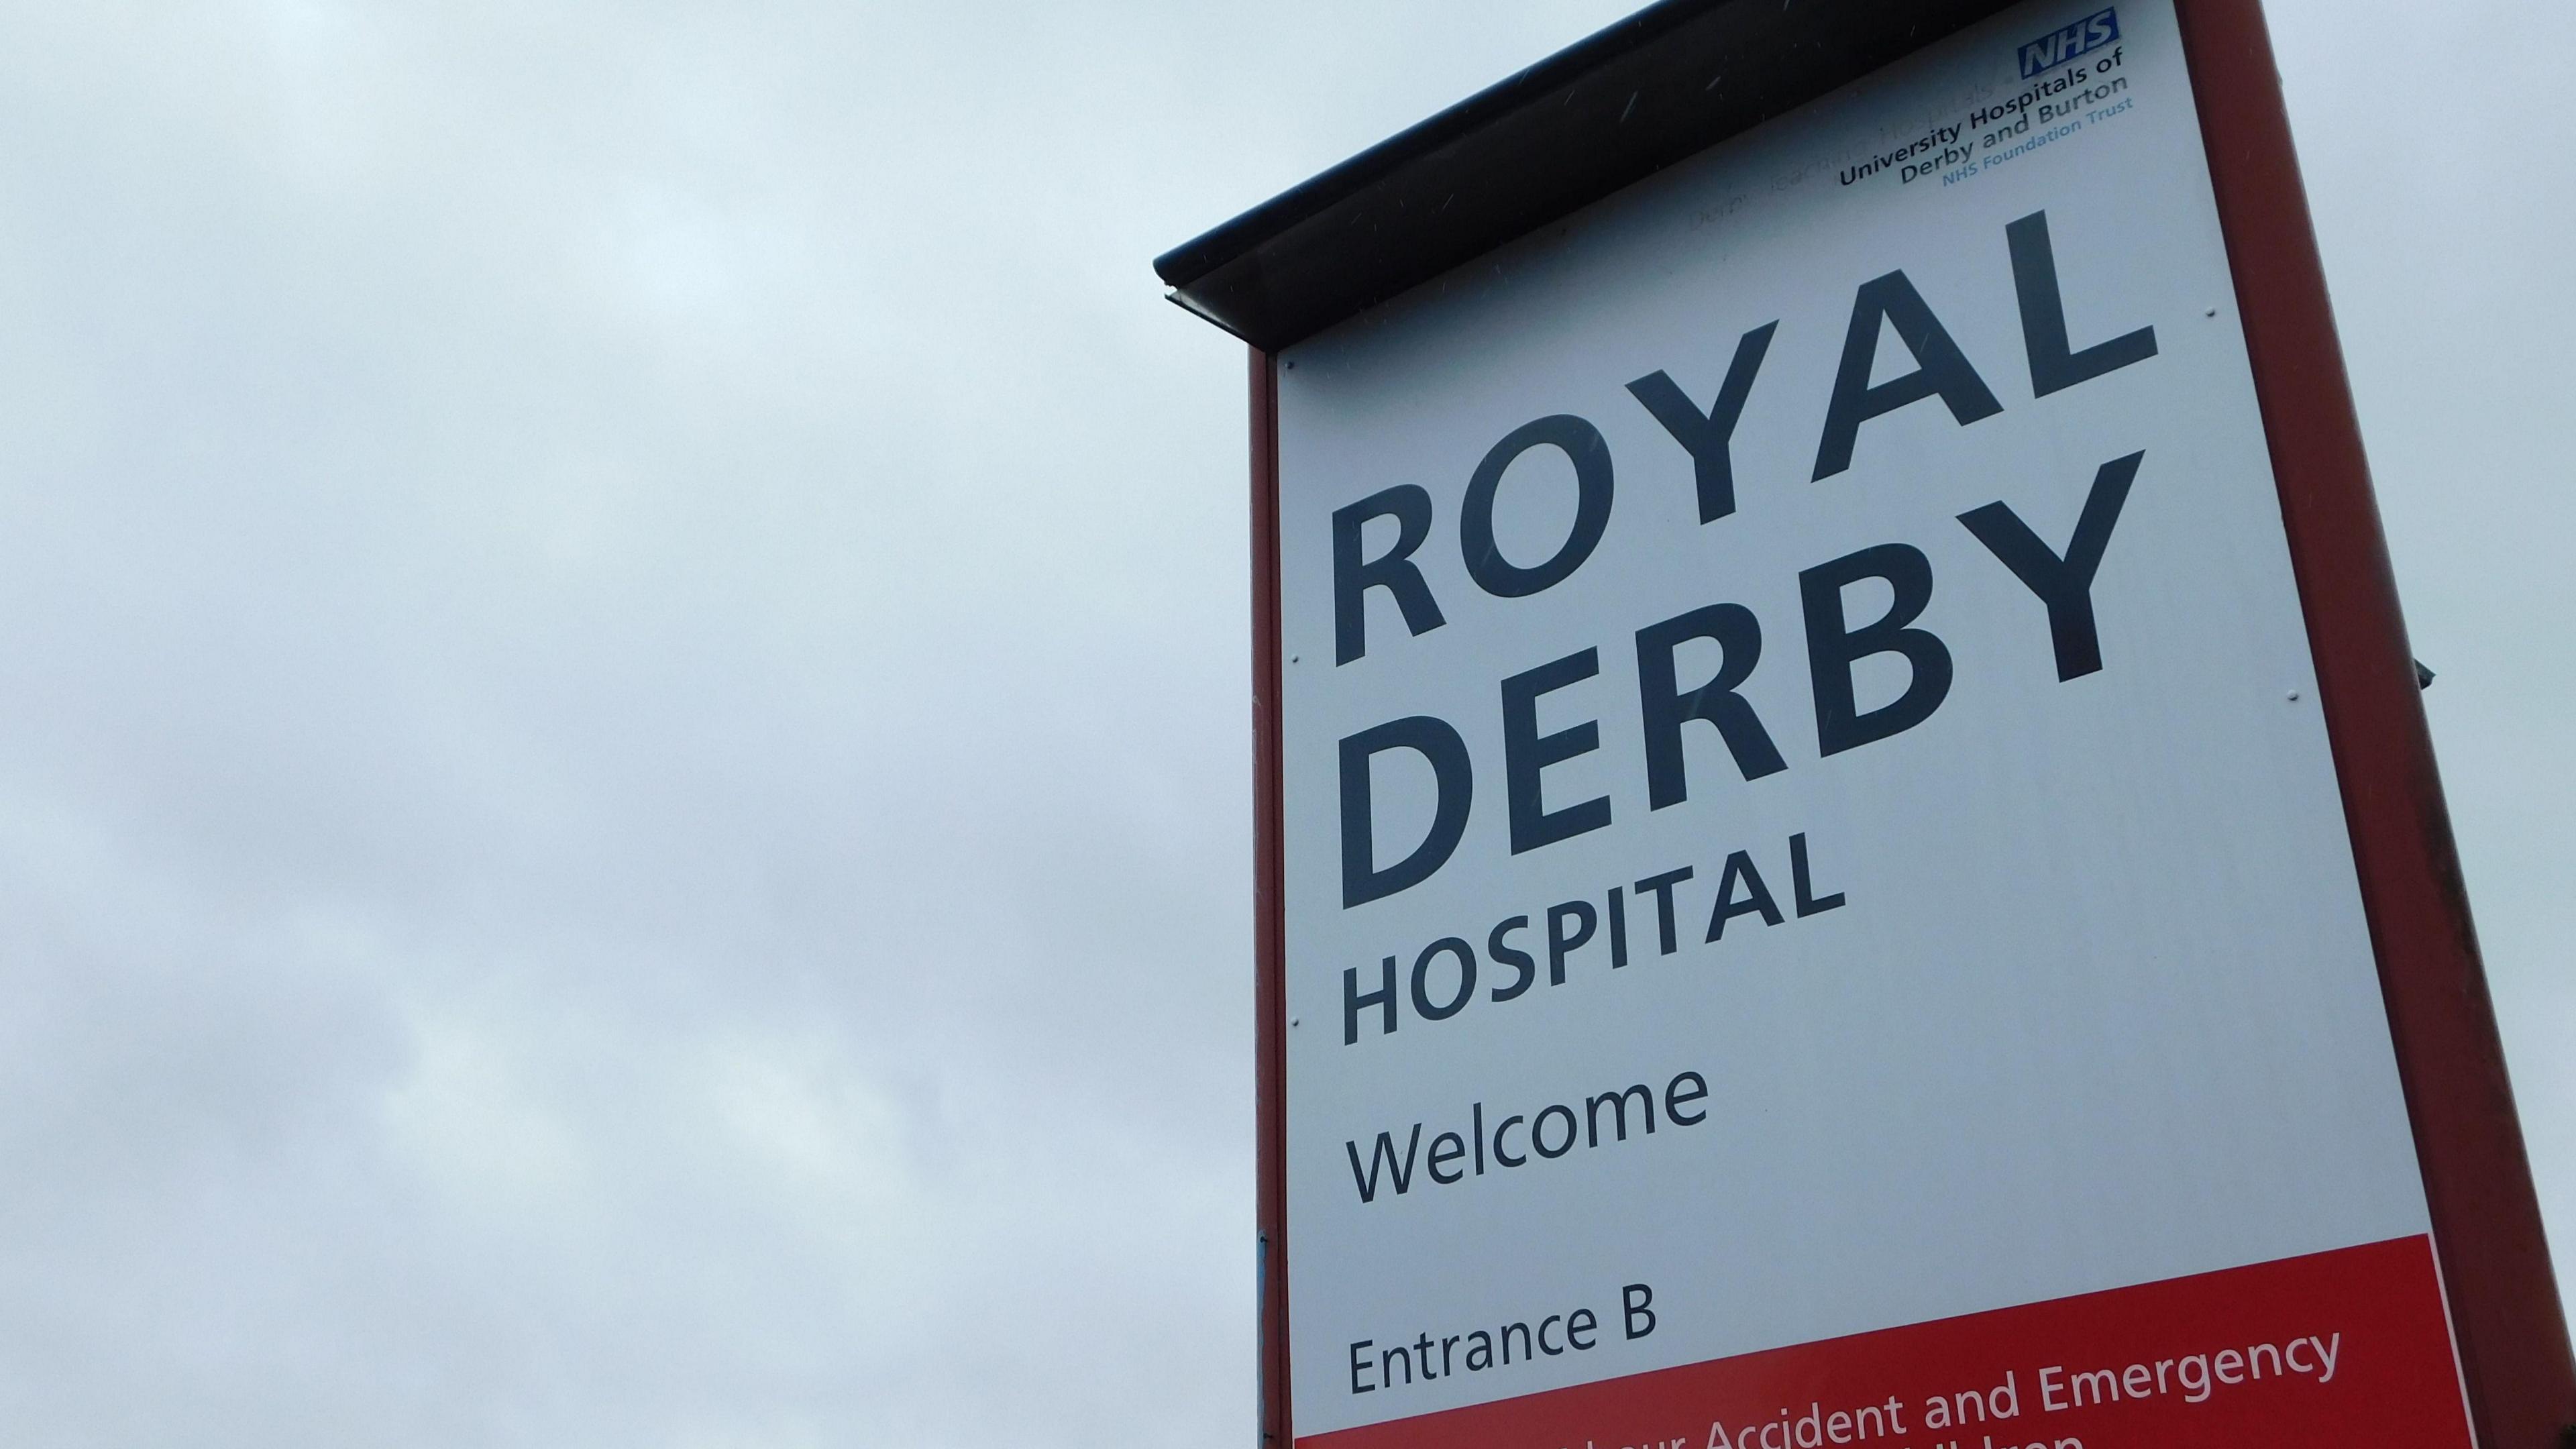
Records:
x=2055, y=49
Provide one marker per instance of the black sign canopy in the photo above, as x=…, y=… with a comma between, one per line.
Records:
x=1656, y=88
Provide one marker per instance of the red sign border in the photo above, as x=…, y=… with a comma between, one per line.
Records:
x=2493, y=1252
x=2505, y=1311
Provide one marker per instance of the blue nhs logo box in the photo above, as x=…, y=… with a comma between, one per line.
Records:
x=2060, y=46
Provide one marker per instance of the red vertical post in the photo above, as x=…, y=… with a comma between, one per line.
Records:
x=1269, y=923
x=2505, y=1310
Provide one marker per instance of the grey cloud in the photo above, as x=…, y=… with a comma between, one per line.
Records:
x=623, y=741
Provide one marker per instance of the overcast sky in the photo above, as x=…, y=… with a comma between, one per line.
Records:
x=623, y=718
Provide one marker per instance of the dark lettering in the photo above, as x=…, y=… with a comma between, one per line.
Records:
x=1833, y=647
x=1394, y=572
x=1708, y=437
x=1939, y=369
x=1526, y=753
x=1446, y=1149
x=2043, y=317
x=1512, y=956
x=1448, y=946
x=1664, y=708
x=1757, y=896
x=1619, y=1112
x=1383, y=1155
x=1579, y=441
x=1538, y=1132
x=1662, y=888
x=1674, y=1097
x=1354, y=1001
x=1578, y=1323
x=1636, y=1302
x=2065, y=584
x=1559, y=943
x=1454, y=779
x=1803, y=884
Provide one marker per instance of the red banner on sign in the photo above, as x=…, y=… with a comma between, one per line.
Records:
x=2331, y=1350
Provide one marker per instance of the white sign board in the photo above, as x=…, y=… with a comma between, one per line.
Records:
x=1806, y=814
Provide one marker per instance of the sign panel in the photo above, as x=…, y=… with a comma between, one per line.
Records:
x=1817, y=906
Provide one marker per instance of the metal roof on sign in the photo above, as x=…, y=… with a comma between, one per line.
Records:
x=1663, y=84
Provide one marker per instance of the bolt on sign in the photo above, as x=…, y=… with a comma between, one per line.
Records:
x=1848, y=850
